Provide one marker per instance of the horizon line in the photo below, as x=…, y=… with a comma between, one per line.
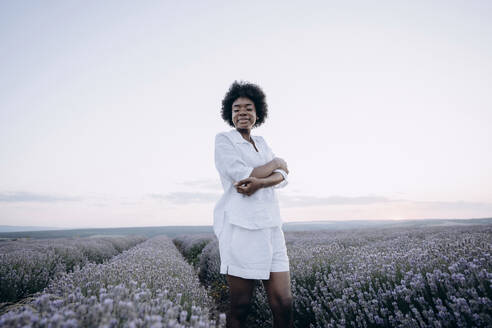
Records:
x=211, y=225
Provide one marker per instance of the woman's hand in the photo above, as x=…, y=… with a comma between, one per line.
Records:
x=282, y=164
x=248, y=186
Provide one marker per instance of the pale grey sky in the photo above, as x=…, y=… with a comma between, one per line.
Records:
x=109, y=109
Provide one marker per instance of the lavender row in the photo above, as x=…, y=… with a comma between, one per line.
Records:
x=149, y=285
x=438, y=277
x=400, y=277
x=27, y=266
x=191, y=246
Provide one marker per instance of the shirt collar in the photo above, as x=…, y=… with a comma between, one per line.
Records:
x=238, y=138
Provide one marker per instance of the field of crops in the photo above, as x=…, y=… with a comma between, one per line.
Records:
x=27, y=266
x=150, y=285
x=398, y=277
x=384, y=277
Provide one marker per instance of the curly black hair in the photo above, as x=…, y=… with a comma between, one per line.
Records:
x=246, y=90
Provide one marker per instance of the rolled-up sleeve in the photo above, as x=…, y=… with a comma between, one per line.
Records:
x=228, y=161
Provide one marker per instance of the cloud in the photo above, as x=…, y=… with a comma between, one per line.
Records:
x=23, y=196
x=286, y=201
x=303, y=201
x=188, y=197
x=456, y=206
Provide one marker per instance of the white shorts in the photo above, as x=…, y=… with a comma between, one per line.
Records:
x=252, y=254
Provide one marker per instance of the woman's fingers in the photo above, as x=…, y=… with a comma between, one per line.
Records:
x=242, y=182
x=242, y=189
x=246, y=190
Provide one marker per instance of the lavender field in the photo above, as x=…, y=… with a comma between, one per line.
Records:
x=374, y=277
x=27, y=266
x=393, y=277
x=150, y=285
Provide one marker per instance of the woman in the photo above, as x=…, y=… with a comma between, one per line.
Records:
x=247, y=220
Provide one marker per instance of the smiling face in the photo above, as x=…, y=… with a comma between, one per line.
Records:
x=243, y=113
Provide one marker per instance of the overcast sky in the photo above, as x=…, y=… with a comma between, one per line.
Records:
x=109, y=109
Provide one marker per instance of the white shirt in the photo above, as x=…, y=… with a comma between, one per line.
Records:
x=235, y=158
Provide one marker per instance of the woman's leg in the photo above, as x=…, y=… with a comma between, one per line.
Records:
x=280, y=298
x=240, y=291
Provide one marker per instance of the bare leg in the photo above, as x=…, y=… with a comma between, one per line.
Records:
x=280, y=299
x=240, y=291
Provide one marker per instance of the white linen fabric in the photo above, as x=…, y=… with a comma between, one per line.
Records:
x=235, y=158
x=252, y=254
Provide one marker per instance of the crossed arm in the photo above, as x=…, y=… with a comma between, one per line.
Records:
x=229, y=162
x=262, y=177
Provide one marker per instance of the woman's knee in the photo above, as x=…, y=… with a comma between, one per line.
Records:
x=282, y=304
